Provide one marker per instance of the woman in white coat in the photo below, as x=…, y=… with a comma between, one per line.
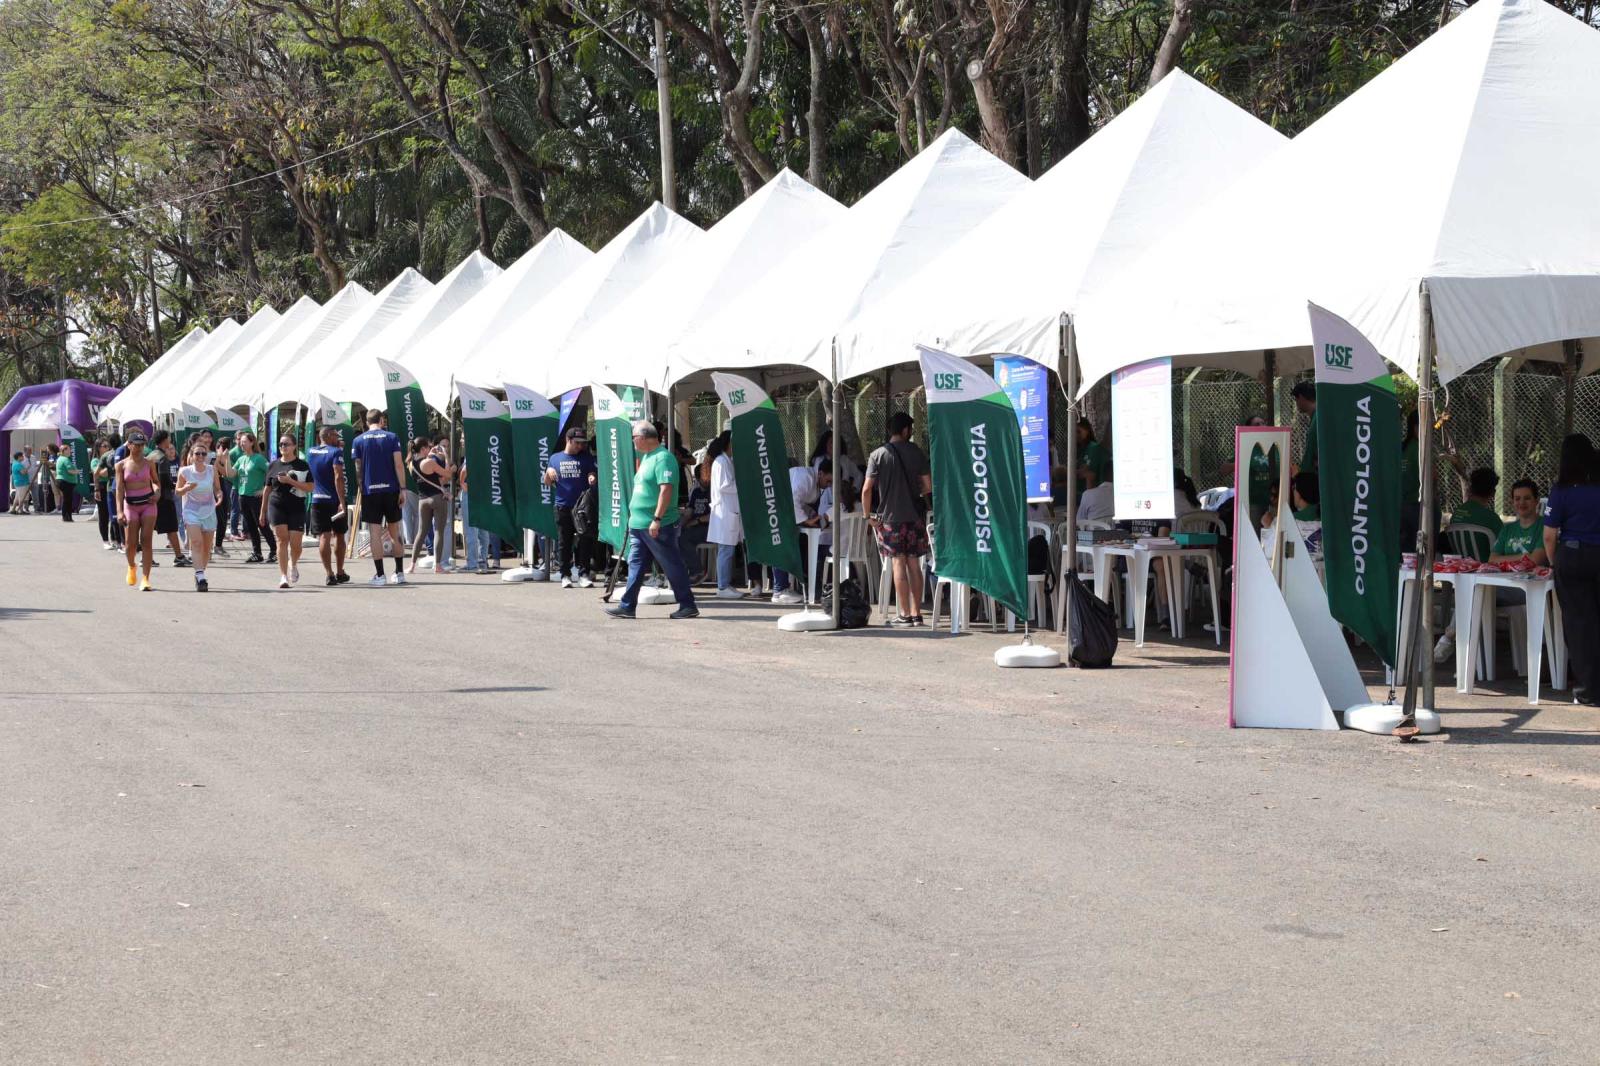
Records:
x=726, y=528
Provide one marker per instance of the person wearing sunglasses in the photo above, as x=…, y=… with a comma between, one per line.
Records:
x=284, y=508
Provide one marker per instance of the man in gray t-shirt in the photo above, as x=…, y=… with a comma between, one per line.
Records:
x=897, y=483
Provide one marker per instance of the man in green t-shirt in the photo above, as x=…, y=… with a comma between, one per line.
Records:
x=66, y=483
x=1523, y=538
x=653, y=524
x=1477, y=510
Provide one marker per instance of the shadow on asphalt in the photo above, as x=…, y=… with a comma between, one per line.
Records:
x=19, y=614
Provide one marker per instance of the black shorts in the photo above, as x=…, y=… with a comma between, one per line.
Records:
x=380, y=508
x=290, y=515
x=322, y=520
x=166, y=515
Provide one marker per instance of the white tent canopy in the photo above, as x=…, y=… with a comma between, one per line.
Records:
x=303, y=377
x=631, y=344
x=434, y=359
x=127, y=404
x=271, y=362
x=158, y=399
x=180, y=388
x=1003, y=287
x=793, y=314
x=208, y=389
x=527, y=350
x=356, y=376
x=1420, y=176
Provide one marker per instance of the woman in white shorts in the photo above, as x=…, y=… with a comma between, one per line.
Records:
x=197, y=488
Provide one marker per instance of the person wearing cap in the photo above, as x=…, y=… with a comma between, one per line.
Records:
x=653, y=524
x=571, y=471
x=895, y=499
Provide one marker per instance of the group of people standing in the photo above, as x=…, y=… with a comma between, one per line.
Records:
x=45, y=483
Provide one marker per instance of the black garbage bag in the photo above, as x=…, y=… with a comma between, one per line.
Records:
x=1091, y=626
x=854, y=610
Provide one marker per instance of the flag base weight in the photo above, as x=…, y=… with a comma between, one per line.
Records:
x=805, y=622
x=650, y=596
x=525, y=573
x=1381, y=718
x=1027, y=656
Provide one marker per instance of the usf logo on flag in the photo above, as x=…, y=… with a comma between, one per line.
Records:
x=980, y=515
x=491, y=501
x=408, y=415
x=1358, y=443
x=615, y=459
x=534, y=437
x=761, y=474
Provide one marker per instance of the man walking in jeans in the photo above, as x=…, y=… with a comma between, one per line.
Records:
x=653, y=524
x=571, y=470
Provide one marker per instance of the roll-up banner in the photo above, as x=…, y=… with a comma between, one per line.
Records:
x=761, y=474
x=491, y=499
x=533, y=438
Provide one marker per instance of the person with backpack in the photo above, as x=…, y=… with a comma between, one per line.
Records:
x=894, y=497
x=572, y=472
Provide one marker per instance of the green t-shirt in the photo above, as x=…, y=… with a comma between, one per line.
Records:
x=97, y=464
x=65, y=471
x=251, y=471
x=1097, y=461
x=1473, y=513
x=1518, y=539
x=656, y=469
x=1308, y=457
x=1309, y=513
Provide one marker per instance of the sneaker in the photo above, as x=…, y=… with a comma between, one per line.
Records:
x=256, y=558
x=344, y=578
x=202, y=585
x=283, y=582
x=482, y=571
x=144, y=585
x=108, y=546
x=585, y=581
x=133, y=577
x=397, y=579
x=789, y=596
x=377, y=581
x=294, y=574
x=183, y=560
x=1445, y=649
x=730, y=594
x=902, y=621
x=331, y=581
x=619, y=611
x=566, y=582
x=272, y=557
x=685, y=612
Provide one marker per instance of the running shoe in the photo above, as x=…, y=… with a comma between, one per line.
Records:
x=108, y=546
x=566, y=582
x=331, y=581
x=903, y=621
x=256, y=558
x=344, y=578
x=202, y=585
x=294, y=574
x=144, y=585
x=585, y=582
x=377, y=581
x=183, y=560
x=283, y=582
x=397, y=579
x=787, y=597
x=685, y=612
x=133, y=577
x=730, y=594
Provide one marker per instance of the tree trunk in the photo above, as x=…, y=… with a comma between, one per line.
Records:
x=1070, y=76
x=1178, y=31
x=816, y=127
x=998, y=136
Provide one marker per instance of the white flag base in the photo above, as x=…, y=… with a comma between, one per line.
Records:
x=1381, y=718
x=1030, y=656
x=807, y=621
x=650, y=596
x=524, y=573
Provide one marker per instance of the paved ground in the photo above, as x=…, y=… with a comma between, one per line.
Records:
x=472, y=823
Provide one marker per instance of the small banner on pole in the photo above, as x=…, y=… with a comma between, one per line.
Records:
x=569, y=400
x=1358, y=447
x=229, y=423
x=761, y=474
x=80, y=454
x=491, y=502
x=980, y=510
x=1028, y=388
x=533, y=438
x=614, y=455
x=191, y=420
x=408, y=414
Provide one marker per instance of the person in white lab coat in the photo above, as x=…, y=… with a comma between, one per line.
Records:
x=808, y=486
x=727, y=528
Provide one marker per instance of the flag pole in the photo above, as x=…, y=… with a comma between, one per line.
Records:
x=1422, y=610
x=833, y=447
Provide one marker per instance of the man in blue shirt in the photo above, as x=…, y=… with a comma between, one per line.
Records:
x=329, y=522
x=382, y=471
x=571, y=471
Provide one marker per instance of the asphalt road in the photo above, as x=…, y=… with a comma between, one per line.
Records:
x=466, y=822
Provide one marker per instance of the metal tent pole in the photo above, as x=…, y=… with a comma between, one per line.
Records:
x=1069, y=378
x=1422, y=619
x=838, y=511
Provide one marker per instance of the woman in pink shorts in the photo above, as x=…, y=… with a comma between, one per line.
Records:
x=137, y=493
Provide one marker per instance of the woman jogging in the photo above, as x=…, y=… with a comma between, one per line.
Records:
x=433, y=475
x=137, y=491
x=250, y=477
x=198, y=489
x=284, y=509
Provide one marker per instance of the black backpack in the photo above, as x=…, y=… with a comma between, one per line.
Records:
x=1091, y=626
x=586, y=513
x=854, y=611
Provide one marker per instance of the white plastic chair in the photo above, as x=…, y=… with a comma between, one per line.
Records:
x=1465, y=539
x=854, y=547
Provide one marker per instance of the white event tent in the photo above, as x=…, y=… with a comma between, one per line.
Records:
x=271, y=362
x=157, y=400
x=630, y=346
x=1465, y=167
x=527, y=350
x=434, y=359
x=208, y=389
x=356, y=377
x=302, y=378
x=128, y=403
x=1003, y=287
x=791, y=317
x=179, y=389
